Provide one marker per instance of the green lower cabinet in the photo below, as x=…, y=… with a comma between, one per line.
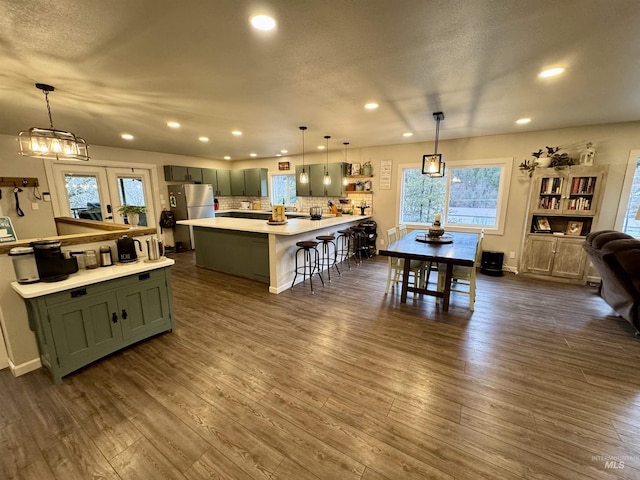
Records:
x=79, y=326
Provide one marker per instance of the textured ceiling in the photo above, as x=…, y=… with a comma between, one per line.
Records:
x=130, y=66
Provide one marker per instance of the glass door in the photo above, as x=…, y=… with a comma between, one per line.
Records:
x=131, y=186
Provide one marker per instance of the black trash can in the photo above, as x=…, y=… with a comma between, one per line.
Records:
x=491, y=263
x=370, y=231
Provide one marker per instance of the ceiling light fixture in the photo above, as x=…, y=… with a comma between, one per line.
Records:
x=203, y=139
x=304, y=176
x=284, y=151
x=253, y=155
x=127, y=136
x=523, y=121
x=345, y=180
x=237, y=133
x=327, y=178
x=49, y=142
x=407, y=134
x=433, y=165
x=227, y=157
x=263, y=22
x=173, y=125
x=371, y=106
x=551, y=72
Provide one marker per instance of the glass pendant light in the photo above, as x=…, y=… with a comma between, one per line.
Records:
x=345, y=180
x=433, y=165
x=304, y=176
x=327, y=178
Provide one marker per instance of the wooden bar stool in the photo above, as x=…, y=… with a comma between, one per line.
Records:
x=344, y=245
x=325, y=256
x=310, y=262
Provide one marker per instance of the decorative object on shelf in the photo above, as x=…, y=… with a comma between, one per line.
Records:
x=327, y=178
x=433, y=165
x=549, y=157
x=574, y=228
x=367, y=168
x=304, y=176
x=359, y=186
x=132, y=213
x=436, y=230
x=51, y=143
x=355, y=169
x=345, y=181
x=586, y=157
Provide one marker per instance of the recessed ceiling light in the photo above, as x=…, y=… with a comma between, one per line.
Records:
x=173, y=125
x=284, y=151
x=237, y=133
x=320, y=147
x=407, y=134
x=523, y=121
x=278, y=154
x=371, y=106
x=253, y=154
x=127, y=136
x=203, y=139
x=263, y=22
x=227, y=157
x=551, y=72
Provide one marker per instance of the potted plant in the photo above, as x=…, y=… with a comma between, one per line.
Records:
x=549, y=157
x=360, y=186
x=367, y=168
x=132, y=212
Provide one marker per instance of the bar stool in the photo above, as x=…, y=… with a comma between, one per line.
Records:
x=309, y=265
x=344, y=245
x=325, y=256
x=359, y=243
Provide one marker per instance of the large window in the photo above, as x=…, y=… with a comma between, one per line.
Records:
x=472, y=194
x=630, y=198
x=283, y=189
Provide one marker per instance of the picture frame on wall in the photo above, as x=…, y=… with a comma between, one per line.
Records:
x=574, y=229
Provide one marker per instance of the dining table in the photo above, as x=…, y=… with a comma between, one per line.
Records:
x=453, y=248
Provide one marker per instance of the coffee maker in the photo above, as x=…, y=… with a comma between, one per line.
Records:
x=51, y=263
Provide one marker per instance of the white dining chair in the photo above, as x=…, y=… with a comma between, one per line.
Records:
x=396, y=266
x=464, y=278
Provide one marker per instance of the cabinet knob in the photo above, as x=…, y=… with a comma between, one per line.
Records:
x=124, y=314
x=114, y=317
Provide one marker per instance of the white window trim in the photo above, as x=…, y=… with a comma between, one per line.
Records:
x=623, y=202
x=503, y=192
x=271, y=189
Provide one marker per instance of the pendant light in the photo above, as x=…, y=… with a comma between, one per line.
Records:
x=304, y=176
x=433, y=165
x=49, y=142
x=327, y=178
x=345, y=180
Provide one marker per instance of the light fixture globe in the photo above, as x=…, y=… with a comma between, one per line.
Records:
x=304, y=176
x=433, y=165
x=51, y=143
x=345, y=180
x=327, y=178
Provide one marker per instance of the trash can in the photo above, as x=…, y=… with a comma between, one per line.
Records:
x=491, y=263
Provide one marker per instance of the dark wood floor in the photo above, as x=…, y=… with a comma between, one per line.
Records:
x=539, y=382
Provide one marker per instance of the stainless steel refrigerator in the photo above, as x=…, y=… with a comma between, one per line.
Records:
x=188, y=202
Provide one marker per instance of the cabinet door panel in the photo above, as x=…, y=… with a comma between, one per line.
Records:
x=146, y=306
x=570, y=259
x=224, y=183
x=84, y=330
x=237, y=182
x=209, y=177
x=539, y=253
x=336, y=172
x=316, y=175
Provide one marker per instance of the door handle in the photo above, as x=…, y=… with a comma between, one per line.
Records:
x=109, y=210
x=124, y=314
x=114, y=317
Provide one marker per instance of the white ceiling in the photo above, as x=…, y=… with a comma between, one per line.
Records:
x=131, y=65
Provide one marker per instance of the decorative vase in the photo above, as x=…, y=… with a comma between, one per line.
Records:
x=367, y=170
x=543, y=161
x=133, y=219
x=359, y=187
x=435, y=230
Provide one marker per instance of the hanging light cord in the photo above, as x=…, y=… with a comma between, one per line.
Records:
x=46, y=97
x=437, y=135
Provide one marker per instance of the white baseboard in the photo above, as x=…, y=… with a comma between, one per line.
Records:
x=593, y=279
x=507, y=268
x=26, y=367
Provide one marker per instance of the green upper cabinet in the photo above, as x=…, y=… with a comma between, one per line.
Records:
x=316, y=186
x=176, y=173
x=249, y=182
x=220, y=179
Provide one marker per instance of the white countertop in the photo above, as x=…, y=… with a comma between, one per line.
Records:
x=294, y=226
x=87, y=277
x=245, y=210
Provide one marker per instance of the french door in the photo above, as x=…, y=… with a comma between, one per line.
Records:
x=96, y=193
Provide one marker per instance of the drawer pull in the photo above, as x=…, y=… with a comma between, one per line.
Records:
x=78, y=293
x=114, y=317
x=144, y=276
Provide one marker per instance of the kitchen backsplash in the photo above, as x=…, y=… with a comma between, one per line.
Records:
x=357, y=199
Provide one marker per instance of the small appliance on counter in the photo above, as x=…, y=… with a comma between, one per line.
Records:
x=153, y=249
x=106, y=259
x=245, y=205
x=51, y=263
x=24, y=264
x=127, y=249
x=315, y=213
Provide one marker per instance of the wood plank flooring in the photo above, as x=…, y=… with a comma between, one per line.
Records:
x=540, y=382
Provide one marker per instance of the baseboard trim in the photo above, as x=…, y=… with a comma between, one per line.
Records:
x=507, y=268
x=26, y=367
x=593, y=279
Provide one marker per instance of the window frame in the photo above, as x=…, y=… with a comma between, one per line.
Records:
x=623, y=202
x=504, y=163
x=272, y=187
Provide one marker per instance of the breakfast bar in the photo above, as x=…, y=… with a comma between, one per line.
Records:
x=255, y=249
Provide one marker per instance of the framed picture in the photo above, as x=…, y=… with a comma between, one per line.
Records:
x=574, y=228
x=543, y=224
x=7, y=233
x=284, y=166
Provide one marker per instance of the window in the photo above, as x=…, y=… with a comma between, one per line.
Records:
x=283, y=189
x=630, y=198
x=472, y=194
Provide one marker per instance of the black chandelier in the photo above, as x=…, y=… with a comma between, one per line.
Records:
x=433, y=165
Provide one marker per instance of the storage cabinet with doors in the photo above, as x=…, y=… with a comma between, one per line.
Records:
x=220, y=179
x=177, y=173
x=249, y=182
x=81, y=325
x=563, y=208
x=316, y=186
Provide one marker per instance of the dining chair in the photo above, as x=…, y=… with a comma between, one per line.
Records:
x=402, y=230
x=396, y=266
x=426, y=266
x=464, y=278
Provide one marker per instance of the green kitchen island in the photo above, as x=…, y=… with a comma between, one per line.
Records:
x=252, y=248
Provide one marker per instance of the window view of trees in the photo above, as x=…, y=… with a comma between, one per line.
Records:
x=630, y=225
x=84, y=199
x=283, y=191
x=472, y=195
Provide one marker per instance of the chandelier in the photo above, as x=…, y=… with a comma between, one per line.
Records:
x=433, y=165
x=49, y=142
x=327, y=178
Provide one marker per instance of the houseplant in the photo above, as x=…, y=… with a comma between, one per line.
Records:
x=549, y=157
x=132, y=213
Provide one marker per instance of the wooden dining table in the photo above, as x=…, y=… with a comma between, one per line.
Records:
x=416, y=246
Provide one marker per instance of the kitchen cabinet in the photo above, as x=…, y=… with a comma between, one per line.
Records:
x=563, y=208
x=249, y=182
x=316, y=186
x=220, y=179
x=176, y=173
x=81, y=325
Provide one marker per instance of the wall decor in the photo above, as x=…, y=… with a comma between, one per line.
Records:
x=284, y=166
